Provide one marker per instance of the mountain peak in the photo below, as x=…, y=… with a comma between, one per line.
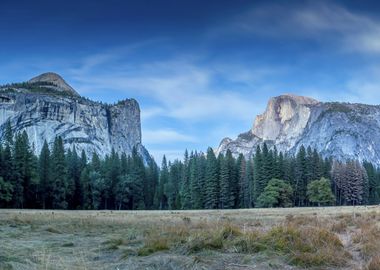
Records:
x=297, y=99
x=287, y=113
x=59, y=83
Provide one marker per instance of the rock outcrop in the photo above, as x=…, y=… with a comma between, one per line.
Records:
x=46, y=107
x=339, y=130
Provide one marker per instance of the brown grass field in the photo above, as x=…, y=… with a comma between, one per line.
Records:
x=290, y=238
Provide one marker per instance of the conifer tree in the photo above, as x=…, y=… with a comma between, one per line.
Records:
x=258, y=183
x=164, y=177
x=185, y=188
x=301, y=177
x=212, y=181
x=195, y=188
x=137, y=175
x=59, y=175
x=45, y=175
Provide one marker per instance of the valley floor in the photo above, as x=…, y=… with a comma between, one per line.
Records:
x=289, y=238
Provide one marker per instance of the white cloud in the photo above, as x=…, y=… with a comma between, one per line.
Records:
x=165, y=136
x=181, y=89
x=324, y=22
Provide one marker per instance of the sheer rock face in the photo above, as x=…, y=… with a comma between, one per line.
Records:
x=340, y=130
x=87, y=125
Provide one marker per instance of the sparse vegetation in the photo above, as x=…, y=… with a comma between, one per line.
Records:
x=300, y=238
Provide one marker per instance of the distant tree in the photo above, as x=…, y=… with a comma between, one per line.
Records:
x=172, y=186
x=185, y=183
x=302, y=177
x=24, y=185
x=85, y=200
x=356, y=182
x=125, y=192
x=59, y=175
x=373, y=183
x=138, y=175
x=228, y=182
x=97, y=187
x=194, y=177
x=319, y=192
x=276, y=194
x=212, y=181
x=45, y=175
x=6, y=191
x=164, y=178
x=258, y=176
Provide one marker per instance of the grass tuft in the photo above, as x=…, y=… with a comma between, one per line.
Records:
x=153, y=245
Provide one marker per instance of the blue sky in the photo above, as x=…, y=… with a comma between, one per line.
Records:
x=201, y=70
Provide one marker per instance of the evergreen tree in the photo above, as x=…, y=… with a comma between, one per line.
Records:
x=59, y=175
x=258, y=181
x=373, y=183
x=302, y=177
x=228, y=182
x=74, y=187
x=24, y=184
x=152, y=178
x=241, y=170
x=185, y=189
x=164, y=178
x=45, y=175
x=172, y=186
x=6, y=190
x=195, y=188
x=97, y=187
x=212, y=181
x=138, y=177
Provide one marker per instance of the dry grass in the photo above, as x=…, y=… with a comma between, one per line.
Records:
x=316, y=238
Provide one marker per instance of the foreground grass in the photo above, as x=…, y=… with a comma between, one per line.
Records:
x=307, y=238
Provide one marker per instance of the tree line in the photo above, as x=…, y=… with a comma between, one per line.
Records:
x=59, y=179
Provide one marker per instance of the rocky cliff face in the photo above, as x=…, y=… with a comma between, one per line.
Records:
x=341, y=130
x=46, y=107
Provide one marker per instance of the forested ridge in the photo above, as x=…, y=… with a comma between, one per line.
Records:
x=59, y=179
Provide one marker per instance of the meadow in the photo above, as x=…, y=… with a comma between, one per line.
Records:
x=281, y=238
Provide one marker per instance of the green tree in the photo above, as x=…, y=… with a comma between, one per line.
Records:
x=319, y=192
x=97, y=187
x=194, y=177
x=86, y=200
x=59, y=175
x=212, y=181
x=24, y=184
x=6, y=190
x=185, y=186
x=301, y=175
x=45, y=175
x=277, y=193
x=164, y=178
x=228, y=182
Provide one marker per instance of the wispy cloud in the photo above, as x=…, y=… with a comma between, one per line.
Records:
x=180, y=88
x=321, y=21
x=165, y=136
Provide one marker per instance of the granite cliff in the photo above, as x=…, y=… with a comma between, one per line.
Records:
x=339, y=130
x=46, y=107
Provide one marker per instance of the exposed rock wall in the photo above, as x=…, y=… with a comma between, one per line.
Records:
x=341, y=130
x=87, y=125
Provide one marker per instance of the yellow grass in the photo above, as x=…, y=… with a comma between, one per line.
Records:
x=294, y=238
